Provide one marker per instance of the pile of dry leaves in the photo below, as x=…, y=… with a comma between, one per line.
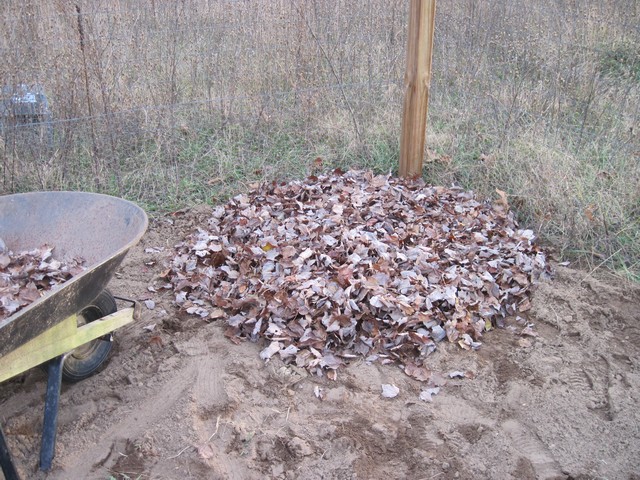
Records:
x=351, y=264
x=26, y=276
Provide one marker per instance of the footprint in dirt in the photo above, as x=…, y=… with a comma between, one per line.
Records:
x=592, y=382
x=534, y=454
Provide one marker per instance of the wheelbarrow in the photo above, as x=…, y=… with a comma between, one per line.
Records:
x=68, y=330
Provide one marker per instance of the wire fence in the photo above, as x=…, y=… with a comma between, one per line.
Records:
x=199, y=102
x=131, y=77
x=172, y=103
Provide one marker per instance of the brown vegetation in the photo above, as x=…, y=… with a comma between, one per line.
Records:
x=173, y=103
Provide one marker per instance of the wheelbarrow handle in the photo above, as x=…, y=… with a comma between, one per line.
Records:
x=50, y=423
x=137, y=307
x=6, y=462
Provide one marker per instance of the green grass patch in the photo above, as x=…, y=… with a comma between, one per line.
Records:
x=621, y=61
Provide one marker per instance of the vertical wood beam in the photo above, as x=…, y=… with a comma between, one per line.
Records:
x=422, y=14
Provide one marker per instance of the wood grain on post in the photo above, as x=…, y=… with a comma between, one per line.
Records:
x=422, y=14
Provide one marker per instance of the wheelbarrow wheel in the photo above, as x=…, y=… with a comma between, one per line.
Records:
x=85, y=360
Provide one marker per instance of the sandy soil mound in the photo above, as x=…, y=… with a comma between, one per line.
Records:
x=182, y=401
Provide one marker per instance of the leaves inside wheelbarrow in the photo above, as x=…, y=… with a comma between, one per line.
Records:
x=356, y=265
x=26, y=276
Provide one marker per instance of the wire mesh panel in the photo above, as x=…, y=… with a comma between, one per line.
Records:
x=25, y=121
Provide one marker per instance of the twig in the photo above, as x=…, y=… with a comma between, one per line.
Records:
x=333, y=72
x=216, y=431
x=96, y=161
x=191, y=446
x=323, y=453
x=180, y=452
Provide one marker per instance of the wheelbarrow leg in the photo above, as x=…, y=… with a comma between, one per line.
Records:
x=50, y=423
x=8, y=468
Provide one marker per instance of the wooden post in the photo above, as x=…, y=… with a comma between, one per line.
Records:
x=422, y=14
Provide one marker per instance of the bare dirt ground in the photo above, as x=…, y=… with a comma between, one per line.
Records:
x=183, y=402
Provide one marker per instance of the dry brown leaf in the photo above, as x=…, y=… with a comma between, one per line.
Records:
x=503, y=201
x=419, y=373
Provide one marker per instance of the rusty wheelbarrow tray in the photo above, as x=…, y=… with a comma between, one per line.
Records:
x=97, y=228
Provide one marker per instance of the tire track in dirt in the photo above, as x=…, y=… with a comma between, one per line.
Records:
x=131, y=424
x=210, y=404
x=209, y=392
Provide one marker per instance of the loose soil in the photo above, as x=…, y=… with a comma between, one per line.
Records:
x=184, y=402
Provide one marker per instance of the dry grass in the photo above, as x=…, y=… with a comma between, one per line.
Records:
x=172, y=103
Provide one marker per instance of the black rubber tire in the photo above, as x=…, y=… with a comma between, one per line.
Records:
x=85, y=360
